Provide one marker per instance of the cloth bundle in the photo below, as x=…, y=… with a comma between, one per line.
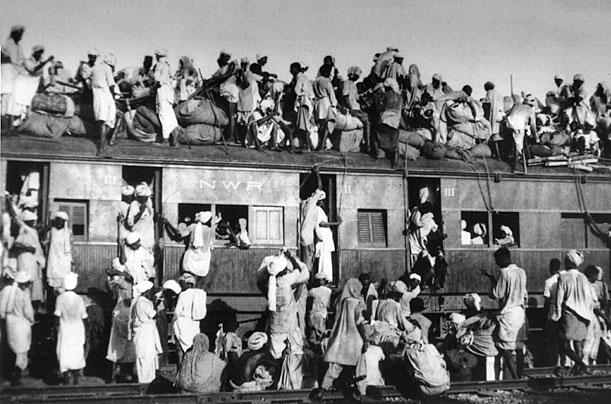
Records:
x=54, y=104
x=347, y=141
x=347, y=122
x=200, y=135
x=200, y=111
x=142, y=125
x=47, y=126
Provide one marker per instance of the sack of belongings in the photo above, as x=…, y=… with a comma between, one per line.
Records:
x=54, y=104
x=142, y=124
x=538, y=150
x=427, y=367
x=434, y=151
x=347, y=122
x=43, y=125
x=200, y=135
x=481, y=150
x=412, y=138
x=200, y=111
x=347, y=141
x=408, y=152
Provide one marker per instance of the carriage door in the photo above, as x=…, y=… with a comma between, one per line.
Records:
x=28, y=184
x=424, y=193
x=133, y=175
x=308, y=184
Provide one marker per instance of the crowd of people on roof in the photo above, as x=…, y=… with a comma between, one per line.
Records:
x=314, y=336
x=390, y=113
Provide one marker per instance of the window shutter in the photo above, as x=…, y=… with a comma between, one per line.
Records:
x=268, y=225
x=371, y=228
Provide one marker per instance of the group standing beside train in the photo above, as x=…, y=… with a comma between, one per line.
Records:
x=391, y=112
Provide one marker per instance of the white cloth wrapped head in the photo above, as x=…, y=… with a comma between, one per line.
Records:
x=398, y=287
x=70, y=281
x=144, y=286
x=415, y=277
x=117, y=266
x=573, y=257
x=473, y=301
x=257, y=341
x=506, y=230
x=479, y=229
x=172, y=285
x=457, y=319
x=127, y=190
x=62, y=215
x=142, y=190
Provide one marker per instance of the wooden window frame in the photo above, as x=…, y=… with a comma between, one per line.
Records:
x=252, y=225
x=71, y=204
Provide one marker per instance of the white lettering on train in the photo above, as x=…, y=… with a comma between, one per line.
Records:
x=448, y=191
x=232, y=185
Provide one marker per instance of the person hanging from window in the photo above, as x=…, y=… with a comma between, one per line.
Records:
x=59, y=259
x=479, y=234
x=140, y=216
x=325, y=245
x=308, y=221
x=506, y=236
x=27, y=248
x=138, y=260
x=127, y=197
x=421, y=225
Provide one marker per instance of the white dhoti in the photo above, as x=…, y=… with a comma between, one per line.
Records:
x=104, y=108
x=24, y=90
x=165, y=110
x=71, y=346
x=518, y=129
x=185, y=329
x=148, y=346
x=19, y=336
x=325, y=260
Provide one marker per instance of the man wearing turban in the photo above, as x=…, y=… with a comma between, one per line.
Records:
x=573, y=308
x=140, y=216
x=104, y=109
x=144, y=333
x=59, y=259
x=350, y=100
x=12, y=64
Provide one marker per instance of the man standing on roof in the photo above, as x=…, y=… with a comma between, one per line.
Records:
x=26, y=84
x=165, y=98
x=12, y=64
x=573, y=308
x=434, y=88
x=521, y=118
x=104, y=108
x=226, y=76
x=510, y=290
x=396, y=70
x=350, y=100
x=83, y=75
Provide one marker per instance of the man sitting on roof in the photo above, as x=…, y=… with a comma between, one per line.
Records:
x=350, y=101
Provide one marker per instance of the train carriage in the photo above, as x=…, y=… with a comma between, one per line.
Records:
x=544, y=209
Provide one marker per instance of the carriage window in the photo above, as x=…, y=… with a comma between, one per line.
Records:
x=229, y=226
x=267, y=225
x=78, y=217
x=572, y=231
x=474, y=228
x=372, y=228
x=506, y=228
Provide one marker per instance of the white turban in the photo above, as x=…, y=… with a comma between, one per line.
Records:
x=575, y=257
x=506, y=230
x=479, y=229
x=127, y=190
x=392, y=84
x=144, y=286
x=463, y=224
x=257, y=340
x=423, y=194
x=457, y=319
x=472, y=300
x=62, y=215
x=143, y=189
x=415, y=276
x=117, y=266
x=172, y=285
x=398, y=286
x=161, y=52
x=70, y=281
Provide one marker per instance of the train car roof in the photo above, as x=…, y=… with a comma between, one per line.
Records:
x=128, y=151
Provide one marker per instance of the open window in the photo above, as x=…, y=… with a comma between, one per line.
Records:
x=230, y=220
x=134, y=175
x=474, y=228
x=28, y=182
x=78, y=217
x=187, y=212
x=506, y=228
x=372, y=228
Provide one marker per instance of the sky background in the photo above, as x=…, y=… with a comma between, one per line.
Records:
x=467, y=42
